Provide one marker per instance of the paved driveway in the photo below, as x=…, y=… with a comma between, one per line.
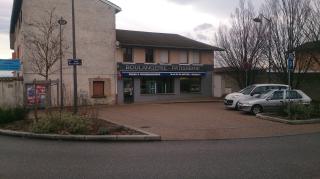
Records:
x=198, y=121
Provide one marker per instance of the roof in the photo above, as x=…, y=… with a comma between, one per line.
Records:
x=160, y=40
x=16, y=8
x=117, y=8
x=309, y=46
x=15, y=14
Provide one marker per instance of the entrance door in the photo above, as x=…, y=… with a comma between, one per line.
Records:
x=128, y=90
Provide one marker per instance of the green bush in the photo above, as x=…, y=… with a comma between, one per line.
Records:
x=67, y=124
x=103, y=131
x=12, y=114
x=300, y=111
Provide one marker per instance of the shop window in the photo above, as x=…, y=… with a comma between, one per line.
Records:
x=190, y=85
x=183, y=57
x=157, y=86
x=149, y=55
x=127, y=55
x=98, y=89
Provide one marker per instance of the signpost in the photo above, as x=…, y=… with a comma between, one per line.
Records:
x=10, y=65
x=290, y=67
x=72, y=62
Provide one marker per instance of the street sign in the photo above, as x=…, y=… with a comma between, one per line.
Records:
x=10, y=65
x=72, y=62
x=290, y=61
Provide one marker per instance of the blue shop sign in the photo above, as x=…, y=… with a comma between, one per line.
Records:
x=163, y=74
x=10, y=65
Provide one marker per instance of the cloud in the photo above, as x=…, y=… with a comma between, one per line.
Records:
x=5, y=12
x=203, y=26
x=203, y=33
x=219, y=8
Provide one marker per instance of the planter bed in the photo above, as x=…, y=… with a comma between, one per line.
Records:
x=95, y=126
x=275, y=118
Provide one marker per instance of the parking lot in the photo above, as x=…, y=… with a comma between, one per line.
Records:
x=198, y=121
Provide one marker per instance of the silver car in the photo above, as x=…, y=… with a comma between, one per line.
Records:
x=232, y=99
x=273, y=100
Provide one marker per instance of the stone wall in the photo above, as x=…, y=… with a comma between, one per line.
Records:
x=11, y=92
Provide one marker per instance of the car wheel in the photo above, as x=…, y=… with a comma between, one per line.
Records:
x=256, y=109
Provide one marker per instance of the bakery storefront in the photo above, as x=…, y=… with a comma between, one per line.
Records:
x=161, y=82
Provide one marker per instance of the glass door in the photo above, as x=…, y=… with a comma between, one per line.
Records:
x=128, y=90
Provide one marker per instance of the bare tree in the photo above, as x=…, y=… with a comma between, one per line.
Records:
x=289, y=24
x=43, y=39
x=312, y=28
x=243, y=45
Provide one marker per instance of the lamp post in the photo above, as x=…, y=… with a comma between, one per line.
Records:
x=75, y=82
x=61, y=22
x=260, y=20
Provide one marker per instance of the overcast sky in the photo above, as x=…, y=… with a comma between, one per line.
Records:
x=197, y=19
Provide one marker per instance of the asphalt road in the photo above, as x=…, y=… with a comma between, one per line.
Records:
x=280, y=157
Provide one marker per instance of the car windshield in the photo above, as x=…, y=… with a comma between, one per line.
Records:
x=247, y=90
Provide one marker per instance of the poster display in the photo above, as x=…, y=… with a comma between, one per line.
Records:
x=36, y=94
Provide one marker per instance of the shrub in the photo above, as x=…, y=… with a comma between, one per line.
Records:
x=300, y=111
x=67, y=124
x=12, y=114
x=103, y=131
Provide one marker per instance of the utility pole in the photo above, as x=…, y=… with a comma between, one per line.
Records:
x=75, y=80
x=259, y=20
x=61, y=22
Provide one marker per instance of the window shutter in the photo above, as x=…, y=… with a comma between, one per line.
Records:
x=98, y=89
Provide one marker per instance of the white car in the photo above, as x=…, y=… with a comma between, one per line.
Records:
x=232, y=99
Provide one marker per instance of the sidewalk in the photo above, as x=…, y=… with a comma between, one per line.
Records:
x=198, y=121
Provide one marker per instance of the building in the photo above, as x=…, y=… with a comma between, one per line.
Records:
x=119, y=66
x=308, y=57
x=158, y=66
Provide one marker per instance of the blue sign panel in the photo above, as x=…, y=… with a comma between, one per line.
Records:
x=290, y=61
x=163, y=74
x=72, y=62
x=10, y=65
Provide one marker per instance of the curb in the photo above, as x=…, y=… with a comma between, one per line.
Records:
x=148, y=136
x=196, y=101
x=176, y=102
x=285, y=121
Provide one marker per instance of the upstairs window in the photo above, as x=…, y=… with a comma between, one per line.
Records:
x=183, y=57
x=127, y=55
x=164, y=56
x=149, y=55
x=195, y=57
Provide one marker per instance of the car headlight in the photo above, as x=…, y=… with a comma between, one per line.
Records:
x=235, y=96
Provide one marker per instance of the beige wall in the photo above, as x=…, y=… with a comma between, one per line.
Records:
x=95, y=43
x=207, y=57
